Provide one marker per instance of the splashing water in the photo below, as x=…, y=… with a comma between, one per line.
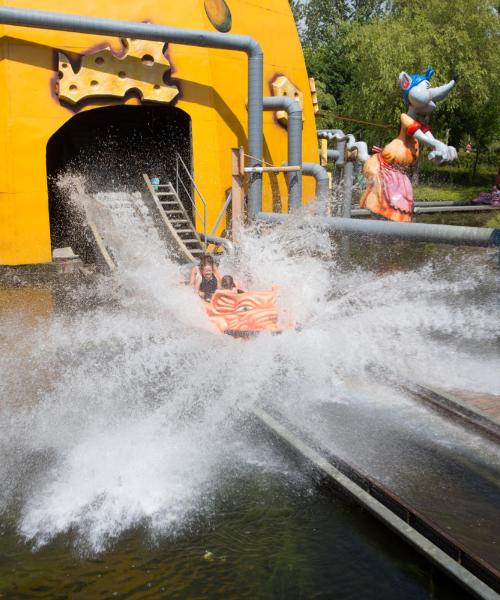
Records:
x=134, y=413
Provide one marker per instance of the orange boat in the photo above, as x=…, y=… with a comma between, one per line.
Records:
x=245, y=314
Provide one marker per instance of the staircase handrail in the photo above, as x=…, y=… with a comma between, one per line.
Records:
x=188, y=172
x=222, y=213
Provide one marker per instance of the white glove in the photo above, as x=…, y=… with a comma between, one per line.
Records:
x=442, y=154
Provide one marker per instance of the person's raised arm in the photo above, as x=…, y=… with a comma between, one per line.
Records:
x=194, y=277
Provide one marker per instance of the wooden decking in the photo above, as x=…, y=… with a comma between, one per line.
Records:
x=486, y=404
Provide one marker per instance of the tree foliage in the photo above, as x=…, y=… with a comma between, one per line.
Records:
x=322, y=25
x=356, y=49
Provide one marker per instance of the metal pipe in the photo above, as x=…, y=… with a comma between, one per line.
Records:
x=425, y=210
x=218, y=241
x=330, y=154
x=347, y=199
x=272, y=169
x=340, y=162
x=340, y=136
x=294, y=111
x=160, y=33
x=443, y=203
x=321, y=175
x=424, y=232
x=331, y=134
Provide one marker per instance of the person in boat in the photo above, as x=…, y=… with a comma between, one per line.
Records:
x=207, y=285
x=228, y=283
x=196, y=272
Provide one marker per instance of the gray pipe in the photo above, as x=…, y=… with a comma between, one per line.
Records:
x=319, y=173
x=321, y=176
x=347, y=199
x=331, y=134
x=443, y=203
x=294, y=144
x=340, y=136
x=426, y=210
x=331, y=154
x=219, y=241
x=341, y=150
x=439, y=234
x=160, y=33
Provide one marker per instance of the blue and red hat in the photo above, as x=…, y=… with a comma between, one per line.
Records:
x=416, y=78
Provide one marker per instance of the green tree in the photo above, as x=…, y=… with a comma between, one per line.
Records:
x=296, y=6
x=326, y=117
x=356, y=49
x=323, y=25
x=453, y=37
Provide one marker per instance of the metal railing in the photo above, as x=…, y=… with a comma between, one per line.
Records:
x=222, y=213
x=181, y=167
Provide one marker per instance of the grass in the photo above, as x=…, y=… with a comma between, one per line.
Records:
x=455, y=193
x=477, y=219
x=459, y=173
x=452, y=193
x=453, y=182
x=494, y=221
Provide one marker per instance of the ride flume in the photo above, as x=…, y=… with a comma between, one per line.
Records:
x=131, y=362
x=131, y=462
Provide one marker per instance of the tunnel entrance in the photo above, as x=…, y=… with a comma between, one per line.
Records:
x=111, y=148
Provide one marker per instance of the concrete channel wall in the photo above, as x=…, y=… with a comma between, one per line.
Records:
x=453, y=569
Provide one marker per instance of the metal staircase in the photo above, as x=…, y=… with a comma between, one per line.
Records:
x=176, y=219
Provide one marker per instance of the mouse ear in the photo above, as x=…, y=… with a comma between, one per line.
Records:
x=404, y=81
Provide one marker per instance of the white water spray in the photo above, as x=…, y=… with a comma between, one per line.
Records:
x=138, y=413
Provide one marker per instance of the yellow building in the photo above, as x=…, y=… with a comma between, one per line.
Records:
x=113, y=109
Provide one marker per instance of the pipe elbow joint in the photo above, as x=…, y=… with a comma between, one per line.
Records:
x=254, y=49
x=294, y=108
x=291, y=106
x=316, y=170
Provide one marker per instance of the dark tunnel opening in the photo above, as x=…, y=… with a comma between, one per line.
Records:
x=111, y=148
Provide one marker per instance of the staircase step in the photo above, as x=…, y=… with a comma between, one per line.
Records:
x=178, y=218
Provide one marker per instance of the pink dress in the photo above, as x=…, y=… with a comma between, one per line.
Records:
x=389, y=191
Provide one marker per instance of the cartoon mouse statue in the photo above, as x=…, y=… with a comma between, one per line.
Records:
x=389, y=192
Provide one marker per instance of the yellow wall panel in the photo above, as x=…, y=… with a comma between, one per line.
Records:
x=213, y=91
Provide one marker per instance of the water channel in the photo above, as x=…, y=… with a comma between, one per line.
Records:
x=129, y=467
